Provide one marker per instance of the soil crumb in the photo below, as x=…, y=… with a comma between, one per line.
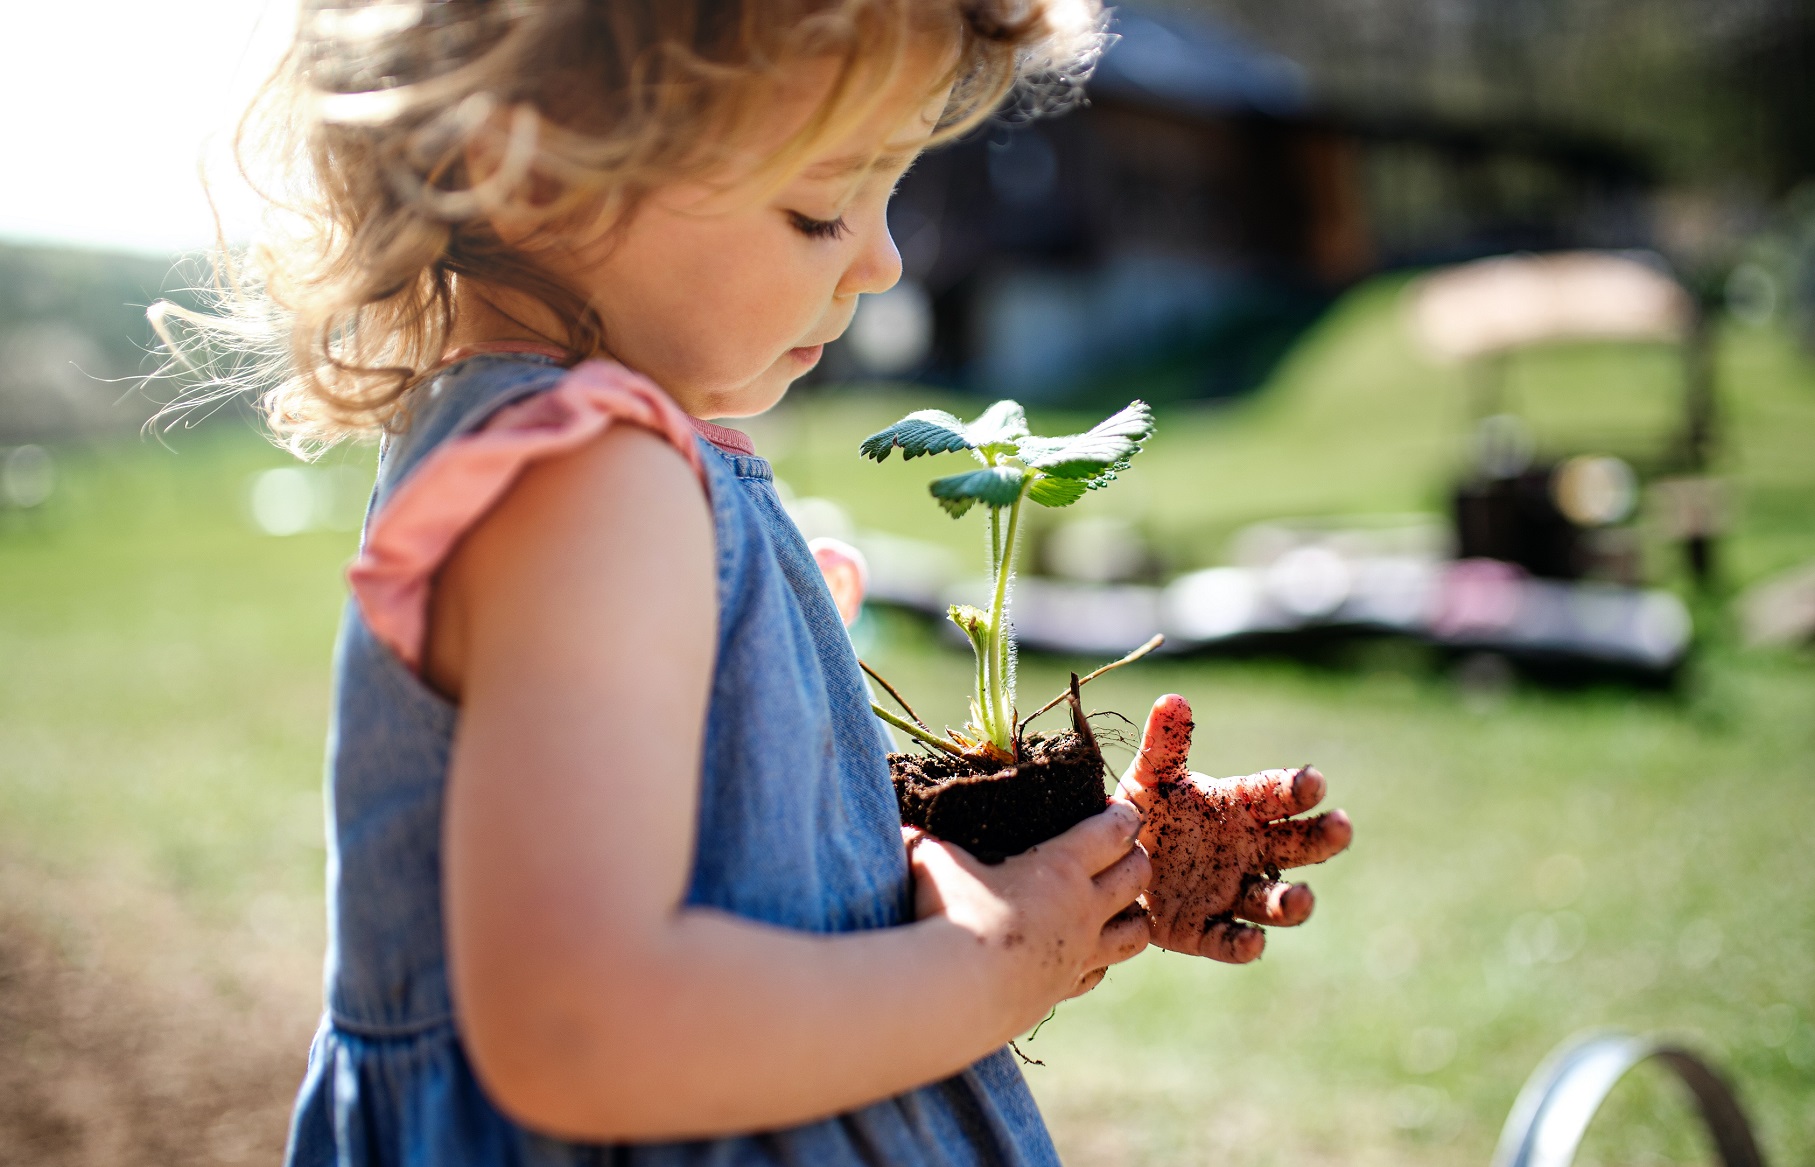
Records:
x=995, y=814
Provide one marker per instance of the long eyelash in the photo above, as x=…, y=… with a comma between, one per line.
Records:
x=820, y=228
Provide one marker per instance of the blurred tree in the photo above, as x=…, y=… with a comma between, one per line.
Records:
x=74, y=340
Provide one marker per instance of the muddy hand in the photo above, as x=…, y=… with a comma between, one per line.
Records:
x=1218, y=844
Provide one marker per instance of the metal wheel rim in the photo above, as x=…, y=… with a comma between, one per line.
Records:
x=1552, y=1113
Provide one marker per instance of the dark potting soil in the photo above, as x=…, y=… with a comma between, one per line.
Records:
x=997, y=813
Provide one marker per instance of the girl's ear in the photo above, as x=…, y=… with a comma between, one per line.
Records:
x=522, y=223
x=521, y=202
x=499, y=154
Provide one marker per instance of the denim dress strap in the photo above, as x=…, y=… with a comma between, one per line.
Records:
x=796, y=827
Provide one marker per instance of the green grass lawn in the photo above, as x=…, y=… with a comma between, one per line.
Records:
x=1524, y=867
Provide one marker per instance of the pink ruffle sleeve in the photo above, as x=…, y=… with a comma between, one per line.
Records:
x=452, y=489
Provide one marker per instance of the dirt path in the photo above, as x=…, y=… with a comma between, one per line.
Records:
x=131, y=1032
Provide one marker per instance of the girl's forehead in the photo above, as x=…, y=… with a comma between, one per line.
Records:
x=887, y=140
x=825, y=127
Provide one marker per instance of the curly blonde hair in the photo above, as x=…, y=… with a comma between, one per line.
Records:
x=347, y=300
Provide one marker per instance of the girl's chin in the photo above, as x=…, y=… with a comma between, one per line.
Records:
x=760, y=394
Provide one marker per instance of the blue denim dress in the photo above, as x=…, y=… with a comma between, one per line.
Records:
x=797, y=827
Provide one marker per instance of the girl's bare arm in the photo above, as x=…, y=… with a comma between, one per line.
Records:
x=576, y=628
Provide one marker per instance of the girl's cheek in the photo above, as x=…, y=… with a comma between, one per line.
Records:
x=792, y=300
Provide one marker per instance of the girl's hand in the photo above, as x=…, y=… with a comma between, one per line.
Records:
x=1057, y=915
x=1218, y=844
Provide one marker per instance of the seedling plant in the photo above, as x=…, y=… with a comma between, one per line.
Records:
x=1014, y=467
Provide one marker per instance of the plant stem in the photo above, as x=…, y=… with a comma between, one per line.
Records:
x=1080, y=724
x=986, y=684
x=986, y=655
x=914, y=731
x=899, y=699
x=1000, y=725
x=1137, y=654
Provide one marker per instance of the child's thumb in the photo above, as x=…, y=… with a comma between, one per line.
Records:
x=935, y=861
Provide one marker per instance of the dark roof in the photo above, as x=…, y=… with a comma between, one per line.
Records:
x=1195, y=65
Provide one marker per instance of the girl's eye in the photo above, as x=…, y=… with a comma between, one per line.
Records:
x=819, y=228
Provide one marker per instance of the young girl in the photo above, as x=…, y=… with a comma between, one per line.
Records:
x=614, y=857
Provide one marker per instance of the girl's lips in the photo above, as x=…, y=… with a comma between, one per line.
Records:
x=808, y=355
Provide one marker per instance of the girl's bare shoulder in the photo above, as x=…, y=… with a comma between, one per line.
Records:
x=617, y=529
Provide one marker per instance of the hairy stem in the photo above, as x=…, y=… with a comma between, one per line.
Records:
x=986, y=657
x=983, y=678
x=915, y=732
x=1000, y=722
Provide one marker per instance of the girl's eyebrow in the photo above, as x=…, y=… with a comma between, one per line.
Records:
x=855, y=164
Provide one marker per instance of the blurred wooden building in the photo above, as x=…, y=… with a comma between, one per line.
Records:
x=1176, y=231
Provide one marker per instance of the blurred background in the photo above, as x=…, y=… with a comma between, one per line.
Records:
x=1483, y=338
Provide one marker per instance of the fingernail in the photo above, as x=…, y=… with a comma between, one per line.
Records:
x=1131, y=818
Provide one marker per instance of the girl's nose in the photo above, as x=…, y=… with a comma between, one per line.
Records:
x=877, y=267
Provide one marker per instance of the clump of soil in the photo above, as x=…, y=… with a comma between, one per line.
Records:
x=996, y=811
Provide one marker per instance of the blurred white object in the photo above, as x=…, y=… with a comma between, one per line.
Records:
x=847, y=575
x=1096, y=550
x=1296, y=573
x=893, y=330
x=1493, y=305
x=909, y=572
x=291, y=500
x=819, y=517
x=1419, y=536
x=1595, y=490
x=1309, y=582
x=1483, y=603
x=1393, y=575
x=283, y=501
x=1392, y=591
x=1211, y=604
x=1781, y=610
x=1073, y=617
x=27, y=477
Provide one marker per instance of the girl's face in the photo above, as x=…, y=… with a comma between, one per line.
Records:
x=723, y=296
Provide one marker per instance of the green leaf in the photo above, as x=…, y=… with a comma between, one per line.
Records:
x=934, y=431
x=974, y=620
x=995, y=486
x=1097, y=453
x=1056, y=492
x=1002, y=424
x=975, y=624
x=926, y=431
